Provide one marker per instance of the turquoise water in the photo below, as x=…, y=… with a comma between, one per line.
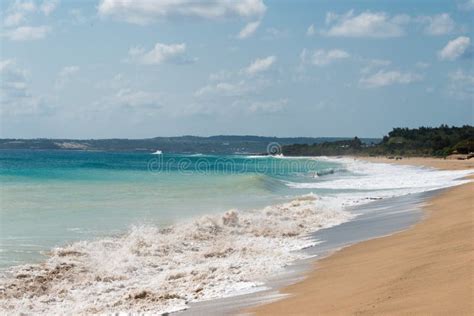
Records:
x=51, y=198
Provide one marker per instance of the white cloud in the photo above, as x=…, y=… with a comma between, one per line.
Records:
x=322, y=57
x=226, y=89
x=440, y=24
x=268, y=106
x=273, y=33
x=260, y=65
x=130, y=99
x=373, y=64
x=467, y=5
x=68, y=71
x=386, y=78
x=159, y=54
x=48, y=6
x=248, y=30
x=64, y=75
x=366, y=24
x=26, y=33
x=455, y=48
x=78, y=17
x=14, y=19
x=422, y=65
x=311, y=30
x=15, y=96
x=18, y=10
x=146, y=11
x=135, y=99
x=25, y=6
x=461, y=85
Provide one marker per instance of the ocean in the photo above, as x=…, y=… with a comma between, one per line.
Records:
x=97, y=232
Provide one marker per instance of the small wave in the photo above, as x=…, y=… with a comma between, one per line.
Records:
x=257, y=156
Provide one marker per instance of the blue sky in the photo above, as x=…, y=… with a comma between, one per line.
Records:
x=116, y=68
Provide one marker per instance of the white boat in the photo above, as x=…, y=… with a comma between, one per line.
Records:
x=158, y=152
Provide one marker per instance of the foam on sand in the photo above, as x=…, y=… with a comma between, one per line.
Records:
x=381, y=176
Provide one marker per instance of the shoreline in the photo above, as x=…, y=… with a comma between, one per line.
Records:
x=404, y=272
x=375, y=219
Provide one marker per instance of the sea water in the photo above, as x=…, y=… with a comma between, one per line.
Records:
x=87, y=232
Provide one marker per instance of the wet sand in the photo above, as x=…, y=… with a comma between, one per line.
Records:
x=428, y=269
x=439, y=163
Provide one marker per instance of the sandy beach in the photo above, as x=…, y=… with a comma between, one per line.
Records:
x=428, y=269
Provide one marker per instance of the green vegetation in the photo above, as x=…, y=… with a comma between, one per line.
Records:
x=424, y=141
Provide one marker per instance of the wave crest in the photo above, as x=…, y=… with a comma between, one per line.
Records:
x=160, y=270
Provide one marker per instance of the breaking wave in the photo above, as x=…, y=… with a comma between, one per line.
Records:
x=161, y=270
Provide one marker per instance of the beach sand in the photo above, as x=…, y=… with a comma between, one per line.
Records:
x=428, y=269
x=446, y=164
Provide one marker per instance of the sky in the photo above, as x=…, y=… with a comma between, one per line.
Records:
x=143, y=68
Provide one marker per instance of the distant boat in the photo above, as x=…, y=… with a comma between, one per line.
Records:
x=158, y=152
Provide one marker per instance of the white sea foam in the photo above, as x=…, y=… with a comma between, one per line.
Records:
x=161, y=270
x=380, y=176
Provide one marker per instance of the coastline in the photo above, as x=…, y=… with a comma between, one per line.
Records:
x=425, y=269
x=375, y=219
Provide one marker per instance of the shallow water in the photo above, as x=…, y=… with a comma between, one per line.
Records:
x=49, y=198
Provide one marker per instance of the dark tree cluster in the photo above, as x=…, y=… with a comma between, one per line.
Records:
x=424, y=141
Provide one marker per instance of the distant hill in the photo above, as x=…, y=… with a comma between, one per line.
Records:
x=424, y=141
x=221, y=144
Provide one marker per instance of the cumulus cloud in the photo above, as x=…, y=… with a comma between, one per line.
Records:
x=260, y=65
x=248, y=30
x=26, y=33
x=384, y=78
x=455, y=48
x=322, y=57
x=311, y=30
x=365, y=24
x=145, y=11
x=440, y=24
x=160, y=53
